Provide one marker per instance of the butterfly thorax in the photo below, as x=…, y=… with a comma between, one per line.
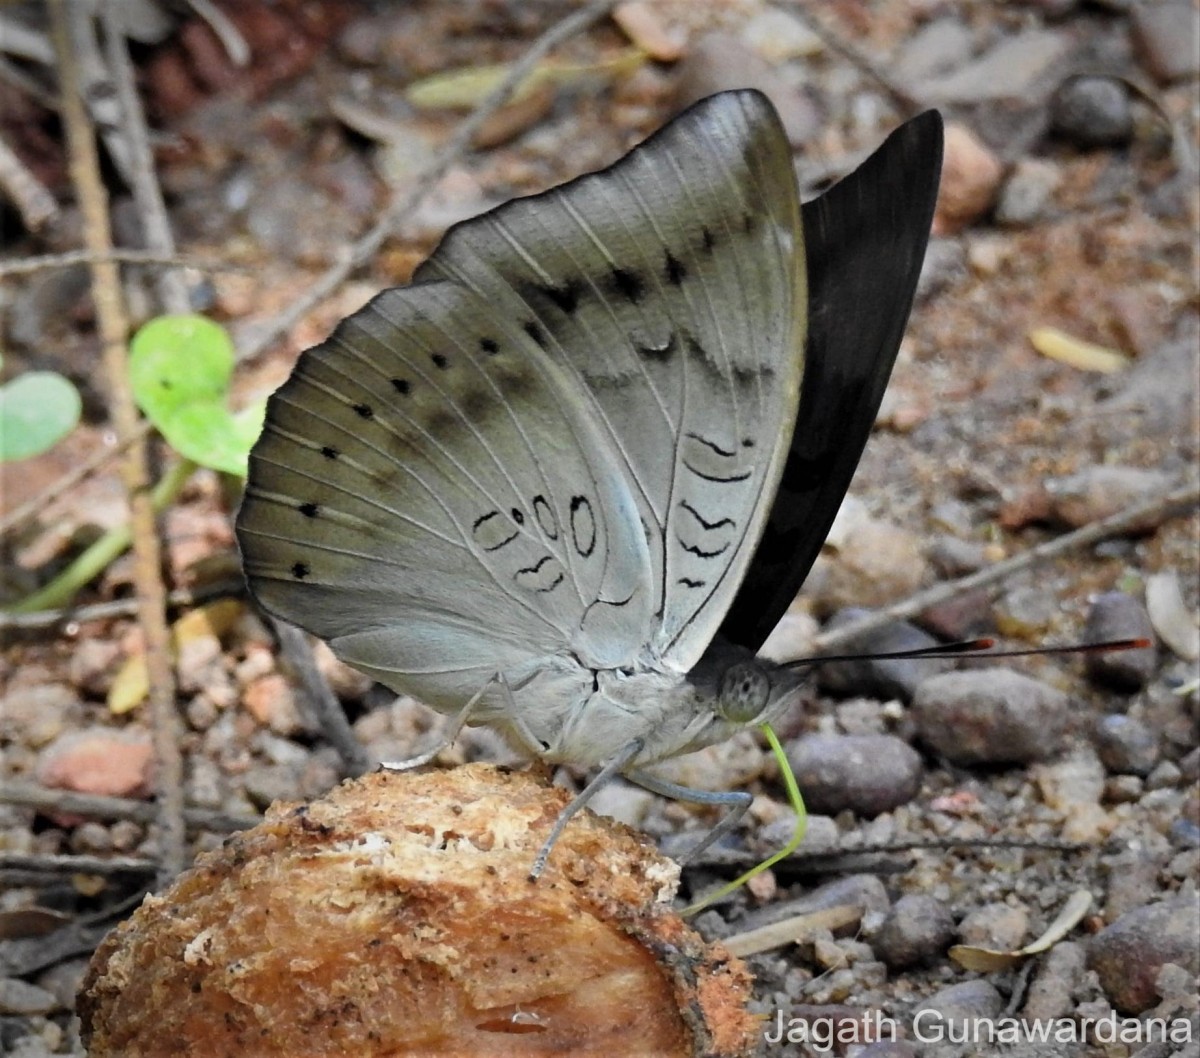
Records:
x=594, y=714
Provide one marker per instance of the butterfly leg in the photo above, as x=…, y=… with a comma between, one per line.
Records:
x=614, y=767
x=736, y=801
x=448, y=735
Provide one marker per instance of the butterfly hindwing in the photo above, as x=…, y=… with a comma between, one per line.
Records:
x=671, y=288
x=425, y=478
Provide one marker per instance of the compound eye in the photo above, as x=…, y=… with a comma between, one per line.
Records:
x=745, y=689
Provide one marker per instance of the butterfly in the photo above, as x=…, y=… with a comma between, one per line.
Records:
x=567, y=481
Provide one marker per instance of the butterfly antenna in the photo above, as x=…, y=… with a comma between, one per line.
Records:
x=975, y=648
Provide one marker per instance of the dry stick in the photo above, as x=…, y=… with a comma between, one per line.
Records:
x=113, y=326
x=326, y=710
x=44, y=799
x=172, y=288
x=1152, y=509
x=139, y=257
x=35, y=204
x=366, y=247
x=47, y=864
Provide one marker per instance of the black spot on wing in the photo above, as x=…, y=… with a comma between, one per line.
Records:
x=675, y=269
x=300, y=570
x=439, y=361
x=309, y=510
x=565, y=296
x=628, y=284
x=707, y=240
x=534, y=330
x=329, y=452
x=489, y=346
x=364, y=411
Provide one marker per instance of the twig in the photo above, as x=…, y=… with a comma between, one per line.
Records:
x=1154, y=508
x=367, y=246
x=35, y=204
x=44, y=799
x=113, y=327
x=172, y=288
x=326, y=709
x=106, y=611
x=137, y=257
x=25, y=861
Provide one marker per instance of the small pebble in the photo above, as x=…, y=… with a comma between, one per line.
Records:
x=873, y=563
x=856, y=890
x=1052, y=989
x=1166, y=37
x=1165, y=776
x=1092, y=112
x=939, y=45
x=917, y=929
x=1128, y=955
x=954, y=557
x=1116, y=615
x=92, y=664
x=271, y=701
x=1131, y=876
x=945, y=265
x=961, y=1003
x=867, y=774
x=1125, y=746
x=1027, y=193
x=998, y=926
x=20, y=997
x=992, y=716
x=719, y=61
x=971, y=176
x=39, y=713
x=99, y=760
x=1100, y=491
x=966, y=615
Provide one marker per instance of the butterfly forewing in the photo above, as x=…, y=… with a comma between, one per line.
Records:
x=671, y=287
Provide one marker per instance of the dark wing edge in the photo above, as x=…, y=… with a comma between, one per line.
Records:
x=865, y=241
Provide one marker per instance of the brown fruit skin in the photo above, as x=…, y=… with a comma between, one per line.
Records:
x=395, y=917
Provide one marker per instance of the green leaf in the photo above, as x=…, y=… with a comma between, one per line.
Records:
x=180, y=368
x=37, y=410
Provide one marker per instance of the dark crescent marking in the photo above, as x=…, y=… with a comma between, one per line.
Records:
x=687, y=582
x=700, y=518
x=709, y=444
x=542, y=511
x=692, y=549
x=718, y=481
